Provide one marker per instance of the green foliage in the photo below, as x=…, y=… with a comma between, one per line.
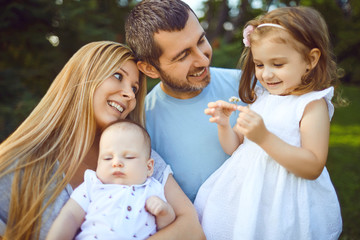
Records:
x=343, y=161
x=227, y=55
x=29, y=62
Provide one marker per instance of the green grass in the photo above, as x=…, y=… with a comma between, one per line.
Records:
x=344, y=161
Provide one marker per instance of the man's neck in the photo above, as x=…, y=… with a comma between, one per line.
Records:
x=179, y=94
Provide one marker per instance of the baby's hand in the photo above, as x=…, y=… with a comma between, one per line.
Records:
x=162, y=211
x=156, y=206
x=220, y=111
x=250, y=124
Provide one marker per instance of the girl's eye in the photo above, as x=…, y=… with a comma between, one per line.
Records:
x=259, y=65
x=107, y=158
x=278, y=65
x=118, y=76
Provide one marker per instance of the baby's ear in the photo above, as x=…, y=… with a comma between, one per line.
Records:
x=150, y=167
x=148, y=69
x=314, y=56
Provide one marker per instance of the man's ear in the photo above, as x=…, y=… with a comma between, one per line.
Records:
x=150, y=167
x=148, y=69
x=314, y=57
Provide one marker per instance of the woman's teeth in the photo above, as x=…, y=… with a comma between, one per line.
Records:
x=115, y=105
x=198, y=74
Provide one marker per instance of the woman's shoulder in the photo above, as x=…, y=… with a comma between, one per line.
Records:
x=161, y=169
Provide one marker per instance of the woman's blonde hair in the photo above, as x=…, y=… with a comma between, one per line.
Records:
x=47, y=148
x=308, y=30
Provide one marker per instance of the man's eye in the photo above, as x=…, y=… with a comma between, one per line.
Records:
x=184, y=56
x=118, y=76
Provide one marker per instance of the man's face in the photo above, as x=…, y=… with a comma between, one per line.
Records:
x=184, y=64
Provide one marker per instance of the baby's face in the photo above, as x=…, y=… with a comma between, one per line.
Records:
x=122, y=158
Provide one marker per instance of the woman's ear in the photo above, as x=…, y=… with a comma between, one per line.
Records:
x=314, y=57
x=148, y=69
x=150, y=167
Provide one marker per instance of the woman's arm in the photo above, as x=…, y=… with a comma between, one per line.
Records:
x=67, y=222
x=186, y=224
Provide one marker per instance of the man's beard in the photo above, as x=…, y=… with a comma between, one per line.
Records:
x=178, y=85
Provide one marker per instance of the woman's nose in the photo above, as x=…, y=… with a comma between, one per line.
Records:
x=128, y=92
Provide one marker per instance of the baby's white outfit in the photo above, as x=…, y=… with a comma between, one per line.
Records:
x=116, y=211
x=251, y=196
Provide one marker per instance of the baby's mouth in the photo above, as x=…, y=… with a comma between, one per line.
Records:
x=116, y=106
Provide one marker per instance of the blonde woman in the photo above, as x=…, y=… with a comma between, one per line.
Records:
x=45, y=158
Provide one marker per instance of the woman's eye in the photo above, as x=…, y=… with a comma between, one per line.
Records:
x=118, y=76
x=135, y=89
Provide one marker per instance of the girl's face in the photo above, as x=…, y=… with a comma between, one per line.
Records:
x=115, y=98
x=278, y=66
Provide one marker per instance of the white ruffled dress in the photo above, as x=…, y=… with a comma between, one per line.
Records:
x=251, y=196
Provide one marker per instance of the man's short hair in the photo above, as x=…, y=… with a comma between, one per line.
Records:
x=150, y=17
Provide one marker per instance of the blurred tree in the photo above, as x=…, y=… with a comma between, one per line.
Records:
x=342, y=17
x=39, y=36
x=37, y=39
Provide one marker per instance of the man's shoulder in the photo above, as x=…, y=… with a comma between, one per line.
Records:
x=219, y=70
x=225, y=74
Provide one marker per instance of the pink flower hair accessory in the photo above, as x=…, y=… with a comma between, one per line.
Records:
x=246, y=33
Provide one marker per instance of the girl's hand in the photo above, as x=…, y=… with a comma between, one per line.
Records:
x=220, y=112
x=250, y=124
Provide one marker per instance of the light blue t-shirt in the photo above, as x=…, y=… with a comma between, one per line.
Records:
x=181, y=133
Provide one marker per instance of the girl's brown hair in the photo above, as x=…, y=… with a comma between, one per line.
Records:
x=308, y=30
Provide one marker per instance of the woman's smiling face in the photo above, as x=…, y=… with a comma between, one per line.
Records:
x=115, y=98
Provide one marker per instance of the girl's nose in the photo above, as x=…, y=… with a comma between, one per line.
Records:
x=267, y=73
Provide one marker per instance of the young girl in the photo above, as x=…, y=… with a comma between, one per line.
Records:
x=275, y=184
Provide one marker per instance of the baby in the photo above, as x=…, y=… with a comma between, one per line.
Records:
x=121, y=200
